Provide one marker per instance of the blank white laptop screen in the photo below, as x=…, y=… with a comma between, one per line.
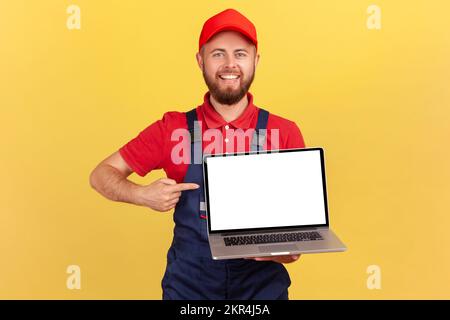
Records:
x=266, y=190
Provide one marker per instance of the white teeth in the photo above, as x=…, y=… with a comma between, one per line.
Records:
x=229, y=76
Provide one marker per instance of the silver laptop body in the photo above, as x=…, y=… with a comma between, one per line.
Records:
x=267, y=203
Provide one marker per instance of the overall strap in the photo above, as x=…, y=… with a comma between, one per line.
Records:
x=196, y=151
x=259, y=136
x=193, y=127
x=196, y=136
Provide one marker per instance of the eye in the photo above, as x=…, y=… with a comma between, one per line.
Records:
x=241, y=54
x=217, y=54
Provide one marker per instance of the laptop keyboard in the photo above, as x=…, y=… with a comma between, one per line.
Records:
x=272, y=238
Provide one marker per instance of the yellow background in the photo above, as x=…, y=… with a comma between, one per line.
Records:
x=376, y=100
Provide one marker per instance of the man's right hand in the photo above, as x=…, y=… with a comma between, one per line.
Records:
x=163, y=194
x=109, y=178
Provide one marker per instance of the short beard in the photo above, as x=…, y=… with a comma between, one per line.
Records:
x=228, y=97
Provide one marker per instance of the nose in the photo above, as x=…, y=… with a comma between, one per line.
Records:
x=230, y=62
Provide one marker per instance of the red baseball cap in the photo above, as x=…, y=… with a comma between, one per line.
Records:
x=228, y=19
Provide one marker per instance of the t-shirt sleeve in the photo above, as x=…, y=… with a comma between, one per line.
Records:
x=146, y=151
x=294, y=137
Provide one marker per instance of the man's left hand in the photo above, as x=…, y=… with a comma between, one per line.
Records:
x=279, y=259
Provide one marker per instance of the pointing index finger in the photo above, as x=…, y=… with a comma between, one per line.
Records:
x=184, y=186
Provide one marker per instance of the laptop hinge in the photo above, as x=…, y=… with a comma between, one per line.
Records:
x=238, y=232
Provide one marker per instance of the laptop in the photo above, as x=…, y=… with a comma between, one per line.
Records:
x=267, y=203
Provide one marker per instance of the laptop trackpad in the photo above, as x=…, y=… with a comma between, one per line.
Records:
x=278, y=248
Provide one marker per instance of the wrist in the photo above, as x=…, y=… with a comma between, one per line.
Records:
x=136, y=195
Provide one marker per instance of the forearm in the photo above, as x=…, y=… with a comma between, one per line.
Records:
x=109, y=182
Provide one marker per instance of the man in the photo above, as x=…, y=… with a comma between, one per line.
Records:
x=228, y=58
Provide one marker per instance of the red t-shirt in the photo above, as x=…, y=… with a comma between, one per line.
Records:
x=152, y=148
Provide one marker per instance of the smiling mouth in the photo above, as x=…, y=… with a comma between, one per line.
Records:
x=229, y=77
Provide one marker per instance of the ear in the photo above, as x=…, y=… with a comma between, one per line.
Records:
x=199, y=58
x=256, y=59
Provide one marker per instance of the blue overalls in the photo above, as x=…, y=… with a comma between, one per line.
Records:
x=191, y=273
